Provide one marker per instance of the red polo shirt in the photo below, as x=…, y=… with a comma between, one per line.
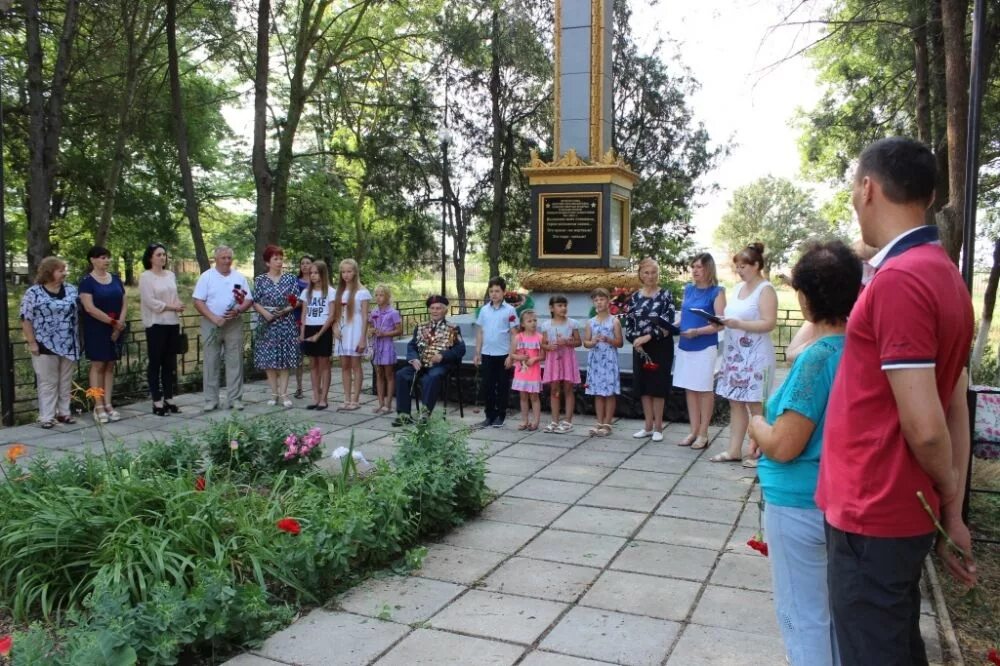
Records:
x=916, y=312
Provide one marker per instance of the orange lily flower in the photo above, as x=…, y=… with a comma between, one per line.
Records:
x=14, y=452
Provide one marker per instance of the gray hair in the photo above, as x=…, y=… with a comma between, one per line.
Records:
x=221, y=248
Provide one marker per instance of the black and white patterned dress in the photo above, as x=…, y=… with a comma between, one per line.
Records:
x=653, y=316
x=53, y=318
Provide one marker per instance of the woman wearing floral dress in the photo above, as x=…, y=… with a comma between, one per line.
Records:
x=649, y=326
x=276, y=349
x=748, y=359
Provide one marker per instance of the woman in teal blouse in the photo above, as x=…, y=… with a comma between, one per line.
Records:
x=827, y=279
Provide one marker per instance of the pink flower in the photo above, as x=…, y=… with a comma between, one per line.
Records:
x=291, y=440
x=234, y=445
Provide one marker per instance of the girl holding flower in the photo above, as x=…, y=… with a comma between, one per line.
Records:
x=386, y=324
x=316, y=332
x=527, y=357
x=350, y=311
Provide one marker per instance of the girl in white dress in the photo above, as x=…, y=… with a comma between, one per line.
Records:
x=351, y=330
x=748, y=356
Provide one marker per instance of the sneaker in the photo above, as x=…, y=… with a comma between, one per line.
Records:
x=402, y=420
x=498, y=422
x=485, y=423
x=657, y=436
x=237, y=405
x=641, y=434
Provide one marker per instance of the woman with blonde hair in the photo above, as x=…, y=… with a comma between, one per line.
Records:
x=694, y=370
x=350, y=314
x=49, y=323
x=649, y=326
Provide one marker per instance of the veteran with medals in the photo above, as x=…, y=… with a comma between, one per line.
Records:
x=436, y=347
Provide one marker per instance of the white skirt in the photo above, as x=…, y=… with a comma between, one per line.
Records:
x=695, y=370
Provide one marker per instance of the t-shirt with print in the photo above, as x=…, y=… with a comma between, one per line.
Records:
x=317, y=308
x=805, y=391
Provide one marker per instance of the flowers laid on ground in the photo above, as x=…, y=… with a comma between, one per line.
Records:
x=301, y=446
x=290, y=525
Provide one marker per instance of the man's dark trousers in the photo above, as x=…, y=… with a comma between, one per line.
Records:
x=430, y=380
x=875, y=597
x=496, y=387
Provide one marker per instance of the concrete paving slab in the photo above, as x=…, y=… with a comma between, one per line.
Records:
x=542, y=658
x=457, y=565
x=712, y=646
x=565, y=471
x=355, y=640
x=599, y=458
x=631, y=499
x=647, y=463
x=505, y=434
x=565, y=492
x=488, y=448
x=251, y=660
x=633, y=478
x=615, y=445
x=556, y=581
x=613, y=637
x=501, y=483
x=501, y=464
x=565, y=441
x=663, y=559
x=652, y=596
x=533, y=452
x=685, y=532
x=700, y=508
x=523, y=511
x=491, y=535
x=429, y=647
x=750, y=573
x=713, y=488
x=403, y=599
x=740, y=610
x=593, y=550
x=597, y=520
x=495, y=615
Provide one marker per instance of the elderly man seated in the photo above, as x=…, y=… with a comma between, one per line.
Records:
x=435, y=347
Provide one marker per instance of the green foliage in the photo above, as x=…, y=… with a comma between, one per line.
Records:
x=128, y=561
x=774, y=212
x=259, y=447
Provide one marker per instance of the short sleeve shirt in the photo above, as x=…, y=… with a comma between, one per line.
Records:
x=216, y=289
x=915, y=313
x=496, y=323
x=805, y=391
x=317, y=306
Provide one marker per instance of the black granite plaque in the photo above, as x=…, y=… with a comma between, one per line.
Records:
x=570, y=225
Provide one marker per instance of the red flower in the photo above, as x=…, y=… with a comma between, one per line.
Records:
x=512, y=318
x=758, y=545
x=993, y=657
x=293, y=300
x=649, y=365
x=199, y=484
x=6, y=643
x=289, y=525
x=113, y=316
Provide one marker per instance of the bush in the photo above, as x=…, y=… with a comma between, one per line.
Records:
x=142, y=557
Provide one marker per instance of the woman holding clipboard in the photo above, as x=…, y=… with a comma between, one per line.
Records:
x=694, y=368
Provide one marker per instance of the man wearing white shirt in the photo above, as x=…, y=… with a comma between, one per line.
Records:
x=220, y=297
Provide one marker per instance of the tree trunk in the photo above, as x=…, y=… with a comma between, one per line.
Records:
x=989, y=303
x=262, y=177
x=44, y=125
x=921, y=59
x=496, y=148
x=181, y=138
x=123, y=131
x=953, y=19
x=939, y=105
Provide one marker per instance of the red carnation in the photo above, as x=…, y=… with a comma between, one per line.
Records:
x=199, y=484
x=290, y=525
x=512, y=318
x=993, y=657
x=6, y=643
x=758, y=545
x=650, y=366
x=293, y=300
x=113, y=316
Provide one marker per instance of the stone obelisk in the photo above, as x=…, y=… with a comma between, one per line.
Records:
x=581, y=199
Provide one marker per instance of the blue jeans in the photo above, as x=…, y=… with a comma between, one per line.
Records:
x=797, y=550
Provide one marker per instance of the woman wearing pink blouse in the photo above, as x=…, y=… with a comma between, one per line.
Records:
x=160, y=307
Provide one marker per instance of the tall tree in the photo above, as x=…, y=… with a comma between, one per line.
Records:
x=45, y=122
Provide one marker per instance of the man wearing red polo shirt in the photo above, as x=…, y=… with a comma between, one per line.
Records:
x=897, y=421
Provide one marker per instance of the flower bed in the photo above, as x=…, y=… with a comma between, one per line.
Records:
x=166, y=555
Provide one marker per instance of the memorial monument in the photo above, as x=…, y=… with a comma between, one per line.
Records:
x=580, y=201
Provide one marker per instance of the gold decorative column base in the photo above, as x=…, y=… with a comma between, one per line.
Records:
x=571, y=280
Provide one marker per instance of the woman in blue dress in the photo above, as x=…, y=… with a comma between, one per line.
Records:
x=105, y=306
x=276, y=347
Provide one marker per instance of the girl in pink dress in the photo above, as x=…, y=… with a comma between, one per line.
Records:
x=385, y=325
x=527, y=358
x=562, y=373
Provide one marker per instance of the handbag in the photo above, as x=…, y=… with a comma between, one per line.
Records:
x=180, y=344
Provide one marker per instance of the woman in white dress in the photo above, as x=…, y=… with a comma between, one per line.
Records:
x=351, y=330
x=748, y=356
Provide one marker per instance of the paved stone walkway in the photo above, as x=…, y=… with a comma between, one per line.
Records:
x=595, y=551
